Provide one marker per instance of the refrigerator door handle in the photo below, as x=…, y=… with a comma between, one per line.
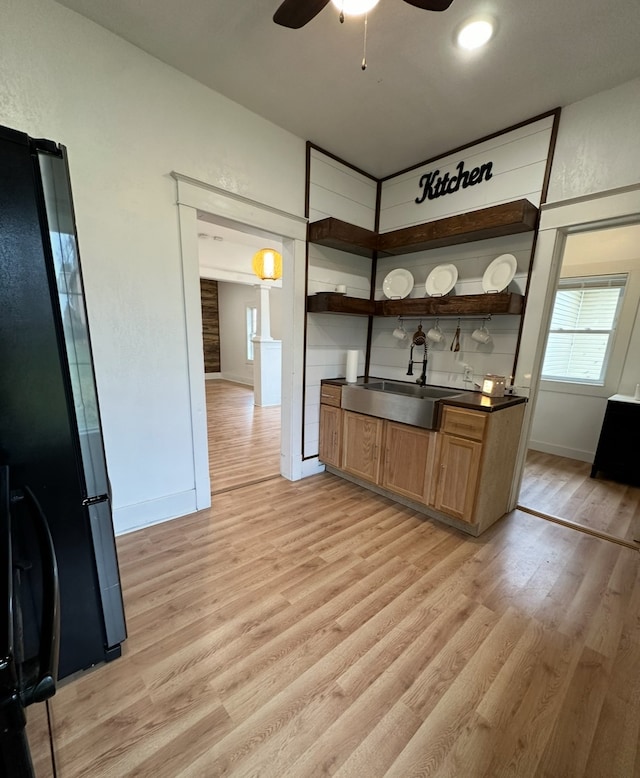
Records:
x=45, y=686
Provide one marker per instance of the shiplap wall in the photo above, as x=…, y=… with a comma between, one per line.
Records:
x=390, y=357
x=339, y=191
x=519, y=160
x=334, y=190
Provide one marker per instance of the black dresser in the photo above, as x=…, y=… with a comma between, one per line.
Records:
x=618, y=453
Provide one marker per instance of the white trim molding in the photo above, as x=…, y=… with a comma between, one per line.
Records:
x=195, y=196
x=613, y=208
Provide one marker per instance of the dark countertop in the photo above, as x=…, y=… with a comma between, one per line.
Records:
x=475, y=401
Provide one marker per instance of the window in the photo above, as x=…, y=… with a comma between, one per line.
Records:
x=583, y=324
x=252, y=326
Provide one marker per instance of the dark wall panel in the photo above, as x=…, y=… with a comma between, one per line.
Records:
x=210, y=325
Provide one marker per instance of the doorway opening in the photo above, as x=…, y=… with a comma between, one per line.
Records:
x=196, y=197
x=592, y=354
x=243, y=401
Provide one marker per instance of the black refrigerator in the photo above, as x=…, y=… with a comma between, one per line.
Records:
x=61, y=605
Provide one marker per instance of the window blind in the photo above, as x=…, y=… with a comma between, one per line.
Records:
x=582, y=330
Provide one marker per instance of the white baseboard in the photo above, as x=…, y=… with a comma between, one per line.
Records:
x=237, y=379
x=144, y=514
x=212, y=376
x=562, y=451
x=311, y=467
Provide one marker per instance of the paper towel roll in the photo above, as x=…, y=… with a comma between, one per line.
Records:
x=352, y=366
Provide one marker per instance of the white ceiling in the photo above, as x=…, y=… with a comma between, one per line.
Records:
x=419, y=96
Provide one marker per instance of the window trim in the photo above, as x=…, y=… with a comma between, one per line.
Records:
x=627, y=315
x=584, y=283
x=251, y=322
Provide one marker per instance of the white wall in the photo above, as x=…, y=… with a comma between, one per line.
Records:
x=338, y=191
x=594, y=183
x=128, y=121
x=233, y=300
x=597, y=151
x=519, y=159
x=597, y=147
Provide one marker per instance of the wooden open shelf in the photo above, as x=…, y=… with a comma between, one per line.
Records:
x=343, y=236
x=330, y=302
x=454, y=305
x=493, y=222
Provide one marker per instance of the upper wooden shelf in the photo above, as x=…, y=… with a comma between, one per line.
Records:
x=451, y=305
x=493, y=222
x=343, y=236
x=330, y=302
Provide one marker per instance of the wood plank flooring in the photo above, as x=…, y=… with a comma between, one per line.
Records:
x=317, y=629
x=562, y=487
x=244, y=440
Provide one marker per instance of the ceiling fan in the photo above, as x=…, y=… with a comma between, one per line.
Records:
x=297, y=13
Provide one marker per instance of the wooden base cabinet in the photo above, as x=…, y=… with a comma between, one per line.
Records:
x=361, y=445
x=408, y=461
x=461, y=474
x=458, y=466
x=330, y=444
x=475, y=463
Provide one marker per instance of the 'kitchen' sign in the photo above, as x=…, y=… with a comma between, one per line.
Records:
x=433, y=185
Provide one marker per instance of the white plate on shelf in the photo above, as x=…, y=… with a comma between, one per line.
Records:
x=441, y=280
x=397, y=284
x=500, y=273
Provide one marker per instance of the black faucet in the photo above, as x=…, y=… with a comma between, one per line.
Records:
x=423, y=376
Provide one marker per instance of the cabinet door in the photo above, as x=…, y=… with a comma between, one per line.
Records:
x=330, y=435
x=408, y=460
x=459, y=463
x=362, y=436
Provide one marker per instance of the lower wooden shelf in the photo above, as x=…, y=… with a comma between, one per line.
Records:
x=501, y=303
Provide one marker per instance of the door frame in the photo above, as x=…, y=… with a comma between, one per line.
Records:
x=194, y=196
x=613, y=208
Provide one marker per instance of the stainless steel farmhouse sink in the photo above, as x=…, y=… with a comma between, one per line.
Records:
x=396, y=401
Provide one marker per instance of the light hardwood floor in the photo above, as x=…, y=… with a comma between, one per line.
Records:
x=315, y=628
x=562, y=487
x=244, y=441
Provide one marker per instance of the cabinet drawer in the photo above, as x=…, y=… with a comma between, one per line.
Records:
x=466, y=424
x=330, y=394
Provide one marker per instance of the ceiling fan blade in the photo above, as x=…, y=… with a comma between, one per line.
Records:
x=430, y=5
x=296, y=13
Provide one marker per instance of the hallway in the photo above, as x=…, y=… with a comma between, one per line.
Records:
x=244, y=440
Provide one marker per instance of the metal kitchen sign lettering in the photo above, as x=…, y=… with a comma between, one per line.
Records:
x=434, y=185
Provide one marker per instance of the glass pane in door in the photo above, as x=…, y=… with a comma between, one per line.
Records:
x=68, y=276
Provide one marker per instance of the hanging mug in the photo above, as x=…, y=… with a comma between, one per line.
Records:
x=400, y=333
x=481, y=335
x=435, y=334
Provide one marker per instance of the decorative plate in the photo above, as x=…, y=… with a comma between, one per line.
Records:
x=441, y=280
x=397, y=284
x=500, y=273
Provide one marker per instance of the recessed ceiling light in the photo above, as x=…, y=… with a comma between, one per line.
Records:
x=354, y=7
x=475, y=33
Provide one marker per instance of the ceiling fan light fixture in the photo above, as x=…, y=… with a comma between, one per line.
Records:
x=354, y=7
x=475, y=33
